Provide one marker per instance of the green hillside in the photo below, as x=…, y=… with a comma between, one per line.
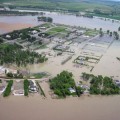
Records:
x=58, y=4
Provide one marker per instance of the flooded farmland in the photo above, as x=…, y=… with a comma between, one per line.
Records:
x=103, y=62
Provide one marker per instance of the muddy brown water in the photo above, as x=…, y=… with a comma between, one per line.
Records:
x=84, y=108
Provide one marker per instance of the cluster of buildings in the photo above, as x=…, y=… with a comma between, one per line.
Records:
x=18, y=87
x=5, y=9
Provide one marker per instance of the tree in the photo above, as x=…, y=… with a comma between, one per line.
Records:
x=116, y=35
x=5, y=71
x=101, y=32
x=79, y=91
x=8, y=89
x=61, y=84
x=100, y=29
x=119, y=29
x=9, y=74
x=13, y=54
x=110, y=34
x=26, y=87
x=1, y=40
x=108, y=31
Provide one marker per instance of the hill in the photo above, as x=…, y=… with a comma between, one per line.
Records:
x=75, y=5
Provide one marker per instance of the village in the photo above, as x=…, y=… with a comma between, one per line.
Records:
x=62, y=45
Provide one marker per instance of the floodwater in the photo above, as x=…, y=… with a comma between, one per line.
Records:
x=84, y=108
x=63, y=19
x=10, y=23
x=107, y=66
x=72, y=20
x=36, y=108
x=84, y=22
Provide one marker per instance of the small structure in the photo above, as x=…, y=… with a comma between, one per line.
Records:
x=61, y=47
x=18, y=88
x=32, y=86
x=2, y=86
x=80, y=62
x=2, y=70
x=117, y=82
x=8, y=36
x=1, y=9
x=80, y=32
x=2, y=89
x=72, y=90
x=82, y=58
x=34, y=32
x=42, y=28
x=86, y=87
x=6, y=8
x=86, y=92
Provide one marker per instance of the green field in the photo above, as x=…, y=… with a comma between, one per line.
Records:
x=91, y=32
x=60, y=29
x=56, y=4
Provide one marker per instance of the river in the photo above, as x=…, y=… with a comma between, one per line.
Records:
x=62, y=19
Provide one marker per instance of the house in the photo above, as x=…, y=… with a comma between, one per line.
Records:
x=86, y=92
x=8, y=36
x=85, y=87
x=2, y=86
x=117, y=82
x=1, y=9
x=82, y=58
x=32, y=86
x=2, y=89
x=80, y=62
x=18, y=92
x=80, y=32
x=18, y=88
x=71, y=90
x=34, y=32
x=6, y=8
x=42, y=28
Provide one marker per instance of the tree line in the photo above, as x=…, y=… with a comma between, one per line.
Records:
x=13, y=54
x=101, y=85
x=61, y=84
x=8, y=89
